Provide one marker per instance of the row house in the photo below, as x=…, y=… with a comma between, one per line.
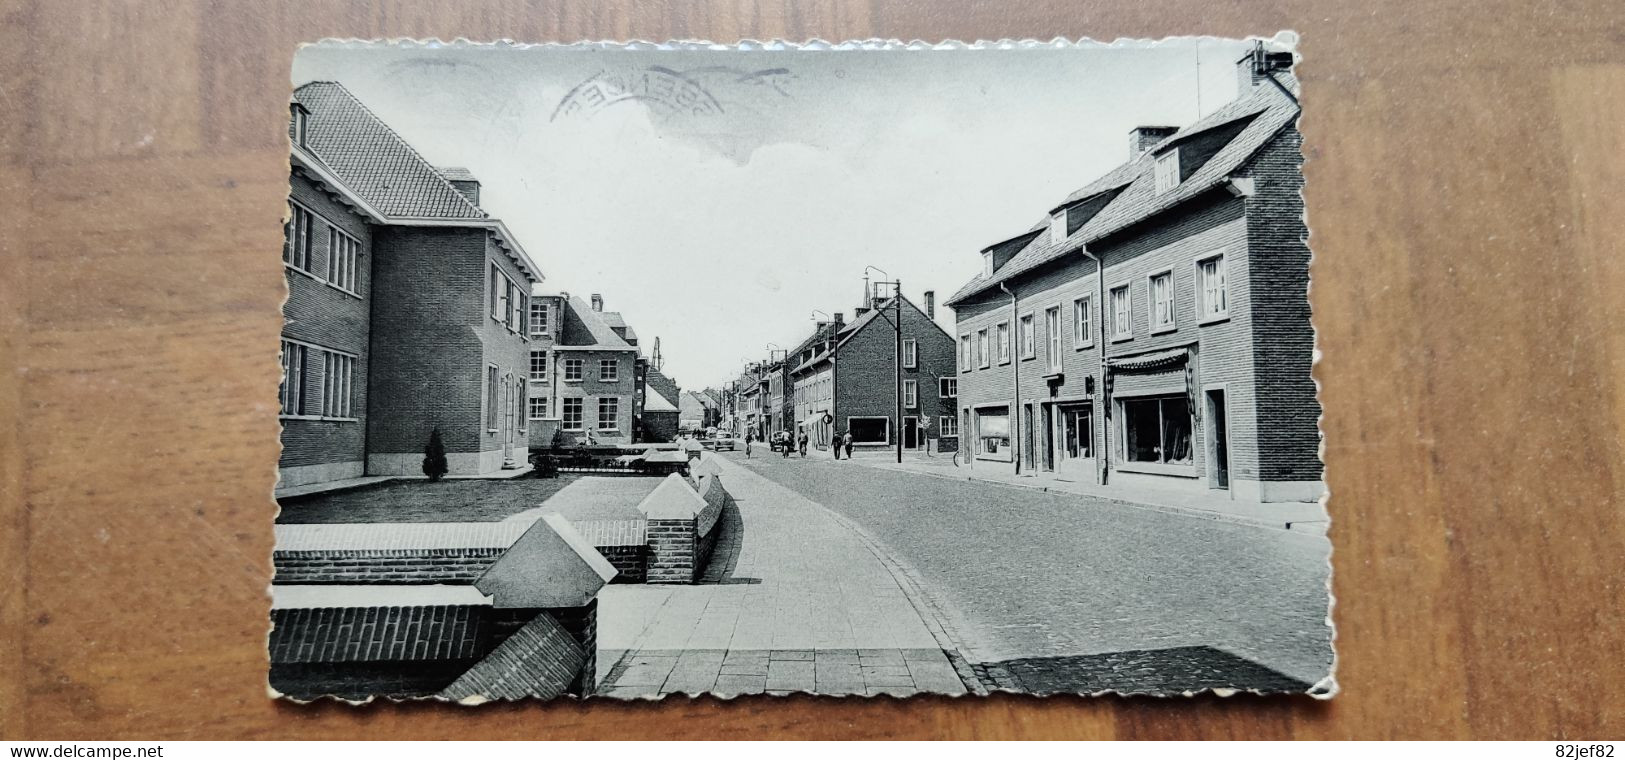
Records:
x=585, y=374
x=845, y=378
x=699, y=410
x=405, y=306
x=1153, y=329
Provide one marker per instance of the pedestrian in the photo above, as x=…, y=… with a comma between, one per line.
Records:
x=801, y=444
x=749, y=437
x=784, y=441
x=835, y=444
x=848, y=444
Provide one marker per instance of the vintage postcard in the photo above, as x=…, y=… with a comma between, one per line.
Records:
x=860, y=369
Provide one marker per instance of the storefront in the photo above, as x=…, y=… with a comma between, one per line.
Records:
x=991, y=432
x=1153, y=419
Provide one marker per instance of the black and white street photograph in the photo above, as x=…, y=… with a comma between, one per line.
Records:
x=852, y=369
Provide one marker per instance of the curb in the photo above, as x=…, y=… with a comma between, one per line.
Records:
x=1308, y=527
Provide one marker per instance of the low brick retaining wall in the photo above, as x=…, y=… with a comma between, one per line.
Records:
x=684, y=522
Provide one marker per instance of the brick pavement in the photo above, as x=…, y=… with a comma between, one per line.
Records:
x=1047, y=585
x=793, y=601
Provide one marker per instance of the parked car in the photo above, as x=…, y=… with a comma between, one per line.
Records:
x=722, y=442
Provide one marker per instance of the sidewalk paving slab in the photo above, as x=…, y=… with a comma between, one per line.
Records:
x=801, y=603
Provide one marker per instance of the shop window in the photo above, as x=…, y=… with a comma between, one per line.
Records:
x=1157, y=430
x=870, y=429
x=993, y=432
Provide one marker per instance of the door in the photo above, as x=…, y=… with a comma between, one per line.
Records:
x=1027, y=437
x=510, y=420
x=1075, y=443
x=1047, y=455
x=1218, y=441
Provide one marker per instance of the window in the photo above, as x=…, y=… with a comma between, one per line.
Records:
x=497, y=291
x=981, y=348
x=1166, y=171
x=1122, y=318
x=1028, y=348
x=572, y=370
x=609, y=370
x=1003, y=342
x=987, y=264
x=538, y=319
x=993, y=432
x=296, y=239
x=964, y=353
x=342, y=254
x=301, y=124
x=869, y=429
x=911, y=353
x=1077, y=432
x=338, y=371
x=1057, y=226
x=1212, y=298
x=572, y=412
x=1052, y=333
x=1157, y=430
x=948, y=426
x=609, y=410
x=911, y=393
x=538, y=365
x=948, y=387
x=1162, y=301
x=293, y=378
x=1083, y=323
x=517, y=307
x=538, y=407
x=492, y=391
x=521, y=395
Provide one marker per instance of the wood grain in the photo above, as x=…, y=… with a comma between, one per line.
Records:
x=1467, y=198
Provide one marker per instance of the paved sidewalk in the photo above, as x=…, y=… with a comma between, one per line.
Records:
x=793, y=601
x=1297, y=516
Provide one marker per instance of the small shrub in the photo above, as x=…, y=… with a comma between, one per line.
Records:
x=434, y=457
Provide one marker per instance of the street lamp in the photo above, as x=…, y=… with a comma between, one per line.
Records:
x=896, y=321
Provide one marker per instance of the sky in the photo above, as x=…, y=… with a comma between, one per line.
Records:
x=743, y=189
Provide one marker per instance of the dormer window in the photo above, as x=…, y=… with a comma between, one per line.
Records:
x=1057, y=226
x=987, y=264
x=301, y=118
x=1166, y=171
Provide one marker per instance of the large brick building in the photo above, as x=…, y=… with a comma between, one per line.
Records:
x=845, y=378
x=1189, y=361
x=405, y=306
x=585, y=374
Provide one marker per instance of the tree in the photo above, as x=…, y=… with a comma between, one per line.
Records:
x=434, y=457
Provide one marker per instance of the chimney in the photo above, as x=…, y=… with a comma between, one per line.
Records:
x=1142, y=139
x=465, y=182
x=1260, y=63
x=597, y=302
x=931, y=305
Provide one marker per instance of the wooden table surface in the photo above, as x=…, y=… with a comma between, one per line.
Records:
x=1466, y=190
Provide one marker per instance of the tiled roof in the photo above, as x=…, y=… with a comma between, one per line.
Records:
x=585, y=327
x=377, y=634
x=539, y=660
x=458, y=173
x=373, y=160
x=1268, y=111
x=657, y=403
x=852, y=329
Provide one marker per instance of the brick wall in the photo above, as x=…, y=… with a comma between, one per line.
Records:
x=508, y=349
x=1283, y=337
x=323, y=315
x=1224, y=348
x=866, y=371
x=1057, y=285
x=591, y=388
x=428, y=359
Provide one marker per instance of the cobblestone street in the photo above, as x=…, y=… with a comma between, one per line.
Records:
x=1033, y=586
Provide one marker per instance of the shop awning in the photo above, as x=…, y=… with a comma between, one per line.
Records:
x=1152, y=361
